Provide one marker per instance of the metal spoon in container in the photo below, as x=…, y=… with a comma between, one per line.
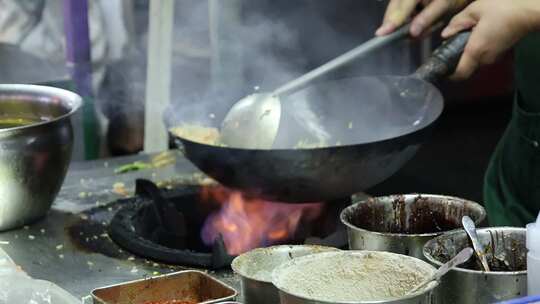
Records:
x=470, y=228
x=462, y=257
x=253, y=122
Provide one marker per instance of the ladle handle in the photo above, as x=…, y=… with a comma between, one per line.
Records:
x=444, y=59
x=360, y=51
x=462, y=257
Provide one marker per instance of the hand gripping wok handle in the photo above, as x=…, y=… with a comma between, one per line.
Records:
x=444, y=60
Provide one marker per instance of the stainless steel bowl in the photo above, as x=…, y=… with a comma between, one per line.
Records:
x=404, y=223
x=294, y=279
x=255, y=270
x=34, y=157
x=464, y=285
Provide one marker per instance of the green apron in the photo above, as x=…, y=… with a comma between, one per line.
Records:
x=512, y=184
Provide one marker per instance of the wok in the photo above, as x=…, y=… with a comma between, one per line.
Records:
x=367, y=127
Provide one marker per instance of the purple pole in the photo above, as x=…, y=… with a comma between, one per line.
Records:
x=79, y=63
x=78, y=44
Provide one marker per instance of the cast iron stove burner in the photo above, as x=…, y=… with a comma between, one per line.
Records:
x=165, y=226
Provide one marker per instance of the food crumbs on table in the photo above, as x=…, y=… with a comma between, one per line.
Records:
x=61, y=256
x=59, y=247
x=134, y=270
x=89, y=263
x=31, y=237
x=131, y=258
x=42, y=231
x=120, y=189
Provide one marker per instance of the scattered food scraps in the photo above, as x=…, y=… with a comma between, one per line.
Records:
x=120, y=189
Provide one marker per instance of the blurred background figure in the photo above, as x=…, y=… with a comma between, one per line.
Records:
x=36, y=27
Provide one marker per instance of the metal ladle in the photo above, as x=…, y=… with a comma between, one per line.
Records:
x=470, y=228
x=462, y=257
x=253, y=122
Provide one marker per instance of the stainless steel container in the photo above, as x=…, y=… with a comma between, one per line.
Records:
x=336, y=273
x=464, y=285
x=36, y=139
x=190, y=286
x=404, y=223
x=255, y=270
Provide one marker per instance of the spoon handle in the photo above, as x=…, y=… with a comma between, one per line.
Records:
x=362, y=50
x=462, y=257
x=470, y=228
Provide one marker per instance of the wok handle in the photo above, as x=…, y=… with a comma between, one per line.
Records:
x=444, y=60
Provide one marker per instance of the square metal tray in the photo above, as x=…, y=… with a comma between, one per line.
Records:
x=193, y=286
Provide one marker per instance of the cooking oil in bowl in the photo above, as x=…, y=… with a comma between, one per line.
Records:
x=14, y=122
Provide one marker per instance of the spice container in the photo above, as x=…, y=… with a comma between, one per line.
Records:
x=255, y=269
x=404, y=223
x=354, y=277
x=193, y=287
x=468, y=283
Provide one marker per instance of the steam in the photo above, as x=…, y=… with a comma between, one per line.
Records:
x=239, y=47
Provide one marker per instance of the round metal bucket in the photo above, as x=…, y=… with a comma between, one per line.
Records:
x=467, y=284
x=404, y=223
x=342, y=278
x=255, y=270
x=36, y=141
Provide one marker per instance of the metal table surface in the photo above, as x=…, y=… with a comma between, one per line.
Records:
x=45, y=250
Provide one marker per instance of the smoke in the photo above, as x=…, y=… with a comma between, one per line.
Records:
x=225, y=50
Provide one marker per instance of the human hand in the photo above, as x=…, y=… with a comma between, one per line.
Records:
x=399, y=11
x=497, y=25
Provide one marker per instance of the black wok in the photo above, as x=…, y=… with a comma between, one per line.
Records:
x=369, y=128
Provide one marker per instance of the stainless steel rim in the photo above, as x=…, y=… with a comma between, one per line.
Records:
x=235, y=263
x=73, y=100
x=405, y=235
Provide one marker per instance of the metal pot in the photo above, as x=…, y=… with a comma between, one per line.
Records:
x=255, y=270
x=464, y=285
x=404, y=223
x=340, y=270
x=34, y=157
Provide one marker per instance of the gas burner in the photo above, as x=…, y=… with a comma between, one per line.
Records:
x=167, y=225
